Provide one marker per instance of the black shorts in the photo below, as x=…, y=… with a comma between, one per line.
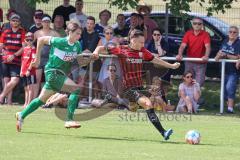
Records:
x=28, y=80
x=10, y=70
x=134, y=93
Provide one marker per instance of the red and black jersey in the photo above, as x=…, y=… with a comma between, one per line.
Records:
x=131, y=62
x=28, y=56
x=12, y=42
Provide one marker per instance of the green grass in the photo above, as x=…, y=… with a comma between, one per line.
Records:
x=113, y=137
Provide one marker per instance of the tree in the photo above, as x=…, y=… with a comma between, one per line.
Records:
x=26, y=7
x=178, y=7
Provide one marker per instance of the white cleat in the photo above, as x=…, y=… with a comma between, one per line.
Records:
x=19, y=122
x=71, y=124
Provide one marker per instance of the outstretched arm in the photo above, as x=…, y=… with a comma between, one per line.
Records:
x=163, y=63
x=40, y=43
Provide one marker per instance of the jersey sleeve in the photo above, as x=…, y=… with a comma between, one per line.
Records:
x=207, y=39
x=147, y=55
x=185, y=38
x=2, y=37
x=115, y=51
x=54, y=41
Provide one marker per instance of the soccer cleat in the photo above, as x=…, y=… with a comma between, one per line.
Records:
x=19, y=122
x=72, y=124
x=167, y=134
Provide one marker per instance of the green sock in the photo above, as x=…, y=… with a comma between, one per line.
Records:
x=34, y=104
x=72, y=105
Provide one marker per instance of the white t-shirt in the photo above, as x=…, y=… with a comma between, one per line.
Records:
x=82, y=18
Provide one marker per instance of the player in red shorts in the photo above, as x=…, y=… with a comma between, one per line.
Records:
x=28, y=72
x=131, y=59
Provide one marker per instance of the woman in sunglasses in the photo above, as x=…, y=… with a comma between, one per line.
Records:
x=230, y=49
x=189, y=93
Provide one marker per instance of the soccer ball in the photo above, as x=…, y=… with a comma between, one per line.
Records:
x=193, y=137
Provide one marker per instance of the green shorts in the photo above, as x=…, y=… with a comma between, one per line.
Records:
x=54, y=79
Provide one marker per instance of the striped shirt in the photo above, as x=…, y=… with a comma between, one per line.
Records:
x=131, y=62
x=12, y=42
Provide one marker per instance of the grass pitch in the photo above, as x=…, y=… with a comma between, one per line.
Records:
x=117, y=135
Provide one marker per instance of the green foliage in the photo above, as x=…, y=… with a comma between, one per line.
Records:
x=179, y=7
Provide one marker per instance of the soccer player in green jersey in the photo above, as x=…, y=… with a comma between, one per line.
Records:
x=62, y=53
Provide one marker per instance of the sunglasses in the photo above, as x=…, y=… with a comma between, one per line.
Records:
x=112, y=70
x=29, y=40
x=197, y=23
x=189, y=77
x=156, y=34
x=109, y=33
x=233, y=32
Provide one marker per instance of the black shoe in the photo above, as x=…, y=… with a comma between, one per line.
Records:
x=230, y=112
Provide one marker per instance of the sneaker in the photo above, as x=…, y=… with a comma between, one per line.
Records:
x=71, y=124
x=167, y=134
x=19, y=121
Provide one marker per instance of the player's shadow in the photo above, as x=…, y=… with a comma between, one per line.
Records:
x=128, y=139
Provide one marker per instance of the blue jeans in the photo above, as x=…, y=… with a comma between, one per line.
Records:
x=230, y=85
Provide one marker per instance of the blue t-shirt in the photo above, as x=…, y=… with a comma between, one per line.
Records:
x=233, y=49
x=99, y=29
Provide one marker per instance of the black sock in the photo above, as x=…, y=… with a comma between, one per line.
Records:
x=155, y=121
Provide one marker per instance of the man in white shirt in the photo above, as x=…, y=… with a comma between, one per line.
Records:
x=79, y=15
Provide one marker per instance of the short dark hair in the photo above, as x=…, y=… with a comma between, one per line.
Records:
x=91, y=18
x=120, y=14
x=157, y=29
x=134, y=15
x=105, y=10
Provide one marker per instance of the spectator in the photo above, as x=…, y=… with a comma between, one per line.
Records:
x=89, y=41
x=27, y=72
x=79, y=15
x=141, y=26
x=37, y=18
x=113, y=86
x=230, y=49
x=57, y=99
x=65, y=10
x=11, y=42
x=198, y=42
x=45, y=31
x=104, y=17
x=8, y=15
x=133, y=21
x=108, y=38
x=122, y=29
x=1, y=15
x=158, y=95
x=58, y=25
x=150, y=24
x=189, y=93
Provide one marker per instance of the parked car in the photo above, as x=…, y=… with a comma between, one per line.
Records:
x=177, y=26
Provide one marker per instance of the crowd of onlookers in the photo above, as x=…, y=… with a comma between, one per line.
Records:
x=17, y=46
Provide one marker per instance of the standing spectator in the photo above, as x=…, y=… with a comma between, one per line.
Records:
x=104, y=17
x=230, y=49
x=11, y=42
x=37, y=18
x=198, y=42
x=45, y=31
x=1, y=19
x=65, y=10
x=122, y=29
x=113, y=86
x=27, y=70
x=108, y=38
x=58, y=25
x=150, y=24
x=8, y=15
x=79, y=15
x=89, y=41
x=189, y=93
x=133, y=21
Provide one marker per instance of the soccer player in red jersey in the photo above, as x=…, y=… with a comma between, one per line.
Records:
x=28, y=72
x=131, y=61
x=11, y=45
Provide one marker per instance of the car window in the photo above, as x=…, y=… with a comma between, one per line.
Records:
x=212, y=33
